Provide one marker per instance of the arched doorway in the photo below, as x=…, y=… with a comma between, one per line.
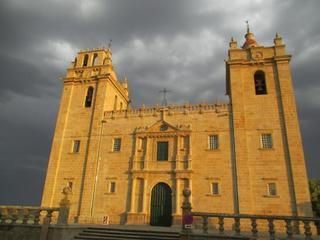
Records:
x=161, y=205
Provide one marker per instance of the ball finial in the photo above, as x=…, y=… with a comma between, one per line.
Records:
x=186, y=192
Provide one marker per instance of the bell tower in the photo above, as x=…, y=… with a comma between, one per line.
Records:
x=269, y=171
x=90, y=88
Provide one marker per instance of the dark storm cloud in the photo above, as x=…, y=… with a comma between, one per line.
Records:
x=180, y=45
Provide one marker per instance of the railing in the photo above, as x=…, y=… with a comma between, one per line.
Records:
x=255, y=226
x=26, y=215
x=291, y=224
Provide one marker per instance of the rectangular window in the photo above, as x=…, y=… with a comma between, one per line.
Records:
x=213, y=142
x=162, y=151
x=215, y=188
x=76, y=146
x=116, y=144
x=112, y=187
x=272, y=189
x=266, y=140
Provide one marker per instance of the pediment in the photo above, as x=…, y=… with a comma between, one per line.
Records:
x=162, y=127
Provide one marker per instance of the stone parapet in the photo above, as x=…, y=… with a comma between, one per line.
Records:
x=221, y=108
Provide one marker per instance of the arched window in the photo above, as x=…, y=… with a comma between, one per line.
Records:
x=85, y=60
x=89, y=97
x=260, y=83
x=75, y=62
x=95, y=59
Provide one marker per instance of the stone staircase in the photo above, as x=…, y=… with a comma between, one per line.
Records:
x=103, y=233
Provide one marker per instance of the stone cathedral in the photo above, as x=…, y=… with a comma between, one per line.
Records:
x=129, y=165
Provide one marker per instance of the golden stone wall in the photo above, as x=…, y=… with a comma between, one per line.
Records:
x=240, y=166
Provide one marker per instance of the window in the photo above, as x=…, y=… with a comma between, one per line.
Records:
x=95, y=59
x=85, y=60
x=162, y=151
x=116, y=145
x=76, y=146
x=75, y=62
x=215, y=188
x=89, y=97
x=272, y=189
x=260, y=83
x=112, y=187
x=266, y=140
x=213, y=142
x=115, y=102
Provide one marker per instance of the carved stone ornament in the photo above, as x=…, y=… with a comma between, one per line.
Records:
x=257, y=55
x=163, y=127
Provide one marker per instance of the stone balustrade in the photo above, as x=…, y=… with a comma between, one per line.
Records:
x=26, y=215
x=248, y=226
x=219, y=108
x=287, y=225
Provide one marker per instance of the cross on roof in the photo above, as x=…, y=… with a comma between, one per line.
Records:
x=164, y=100
x=109, y=45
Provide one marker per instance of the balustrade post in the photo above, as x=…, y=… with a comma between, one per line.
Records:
x=307, y=230
x=14, y=215
x=64, y=207
x=205, y=224
x=237, y=225
x=254, y=228
x=289, y=229
x=221, y=225
x=296, y=227
x=45, y=225
x=2, y=219
x=25, y=214
x=4, y=215
x=271, y=228
x=37, y=217
x=186, y=211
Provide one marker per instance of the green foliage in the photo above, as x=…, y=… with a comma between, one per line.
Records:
x=314, y=185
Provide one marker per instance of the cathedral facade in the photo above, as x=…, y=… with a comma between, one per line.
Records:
x=129, y=166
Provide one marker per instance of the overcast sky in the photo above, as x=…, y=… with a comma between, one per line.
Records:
x=177, y=44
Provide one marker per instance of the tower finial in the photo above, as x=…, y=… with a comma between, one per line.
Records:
x=248, y=27
x=109, y=45
x=164, y=101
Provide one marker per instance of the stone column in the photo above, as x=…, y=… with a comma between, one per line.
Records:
x=178, y=209
x=178, y=157
x=144, y=203
x=133, y=195
x=189, y=155
x=147, y=152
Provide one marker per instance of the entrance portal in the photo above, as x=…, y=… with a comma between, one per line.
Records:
x=161, y=205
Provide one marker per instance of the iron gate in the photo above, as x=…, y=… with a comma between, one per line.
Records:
x=161, y=205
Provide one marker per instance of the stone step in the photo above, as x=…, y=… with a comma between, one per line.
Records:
x=92, y=233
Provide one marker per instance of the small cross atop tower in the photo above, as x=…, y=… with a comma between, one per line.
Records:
x=164, y=100
x=248, y=27
x=109, y=44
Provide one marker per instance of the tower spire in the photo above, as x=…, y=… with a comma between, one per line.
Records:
x=250, y=38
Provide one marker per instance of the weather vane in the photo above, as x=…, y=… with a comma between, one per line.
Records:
x=164, y=100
